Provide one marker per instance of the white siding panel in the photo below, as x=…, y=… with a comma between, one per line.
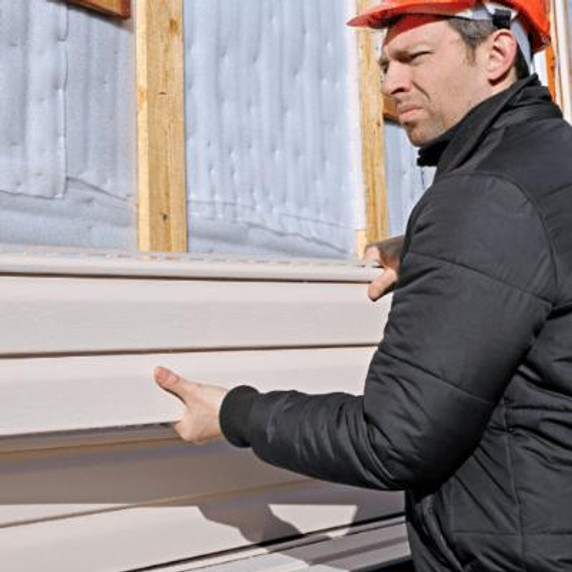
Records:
x=147, y=536
x=55, y=262
x=41, y=395
x=85, y=315
x=91, y=477
x=358, y=550
x=39, y=486
x=62, y=483
x=42, y=485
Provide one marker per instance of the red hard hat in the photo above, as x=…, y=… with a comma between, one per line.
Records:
x=534, y=13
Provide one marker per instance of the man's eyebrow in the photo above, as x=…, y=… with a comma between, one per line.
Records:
x=403, y=52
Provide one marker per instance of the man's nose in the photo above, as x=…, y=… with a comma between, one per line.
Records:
x=395, y=79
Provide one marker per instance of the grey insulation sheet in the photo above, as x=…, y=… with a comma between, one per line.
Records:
x=272, y=118
x=67, y=118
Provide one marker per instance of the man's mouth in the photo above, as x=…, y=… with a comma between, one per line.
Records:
x=406, y=109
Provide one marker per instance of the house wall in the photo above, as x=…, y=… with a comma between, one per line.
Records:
x=273, y=136
x=273, y=141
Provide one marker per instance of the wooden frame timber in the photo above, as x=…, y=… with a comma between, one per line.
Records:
x=551, y=70
x=161, y=126
x=389, y=111
x=561, y=70
x=373, y=143
x=550, y=55
x=120, y=8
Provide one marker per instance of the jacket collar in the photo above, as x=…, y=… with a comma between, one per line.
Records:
x=524, y=100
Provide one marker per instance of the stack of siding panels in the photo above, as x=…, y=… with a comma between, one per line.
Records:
x=91, y=475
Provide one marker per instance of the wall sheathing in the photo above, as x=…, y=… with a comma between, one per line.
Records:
x=272, y=129
x=271, y=120
x=67, y=115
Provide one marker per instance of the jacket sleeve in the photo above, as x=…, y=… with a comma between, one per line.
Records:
x=474, y=290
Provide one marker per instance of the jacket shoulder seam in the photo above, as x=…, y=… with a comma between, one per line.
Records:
x=503, y=177
x=481, y=273
x=437, y=377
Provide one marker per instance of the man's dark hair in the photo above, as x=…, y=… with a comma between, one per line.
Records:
x=475, y=32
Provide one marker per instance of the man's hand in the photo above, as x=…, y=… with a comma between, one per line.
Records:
x=200, y=422
x=386, y=253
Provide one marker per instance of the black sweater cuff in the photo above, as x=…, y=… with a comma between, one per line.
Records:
x=234, y=414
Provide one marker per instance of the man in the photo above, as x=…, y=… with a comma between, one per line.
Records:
x=468, y=401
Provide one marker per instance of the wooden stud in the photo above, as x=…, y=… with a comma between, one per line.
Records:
x=373, y=143
x=161, y=131
x=121, y=8
x=563, y=67
x=389, y=111
x=551, y=62
x=551, y=70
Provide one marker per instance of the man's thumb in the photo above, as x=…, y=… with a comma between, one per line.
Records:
x=170, y=381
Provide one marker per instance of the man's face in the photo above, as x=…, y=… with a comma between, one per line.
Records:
x=431, y=76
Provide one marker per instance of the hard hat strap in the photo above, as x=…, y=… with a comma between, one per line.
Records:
x=502, y=19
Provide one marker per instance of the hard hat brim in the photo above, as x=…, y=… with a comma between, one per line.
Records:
x=378, y=16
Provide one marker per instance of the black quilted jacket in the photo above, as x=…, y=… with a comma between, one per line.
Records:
x=468, y=401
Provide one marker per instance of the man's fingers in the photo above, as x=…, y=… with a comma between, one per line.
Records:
x=382, y=284
x=386, y=253
x=372, y=254
x=171, y=382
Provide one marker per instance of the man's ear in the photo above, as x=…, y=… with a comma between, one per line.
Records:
x=501, y=55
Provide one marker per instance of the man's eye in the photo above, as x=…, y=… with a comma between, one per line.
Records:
x=417, y=56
